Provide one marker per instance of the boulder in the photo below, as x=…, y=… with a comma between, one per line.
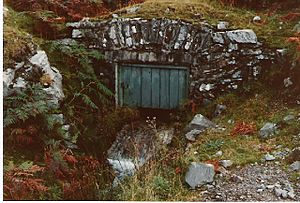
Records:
x=246, y=36
x=134, y=147
x=268, y=130
x=199, y=174
x=197, y=126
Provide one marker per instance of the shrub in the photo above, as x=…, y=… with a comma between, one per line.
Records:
x=23, y=182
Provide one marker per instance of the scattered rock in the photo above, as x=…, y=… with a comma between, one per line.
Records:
x=219, y=153
x=219, y=109
x=191, y=136
x=199, y=174
x=297, y=28
x=133, y=9
x=289, y=118
x=281, y=193
x=269, y=157
x=295, y=166
x=222, y=25
x=294, y=155
x=166, y=136
x=197, y=126
x=114, y=15
x=268, y=130
x=287, y=82
x=291, y=195
x=226, y=163
x=256, y=19
x=236, y=178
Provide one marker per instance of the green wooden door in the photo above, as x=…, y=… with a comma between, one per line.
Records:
x=152, y=86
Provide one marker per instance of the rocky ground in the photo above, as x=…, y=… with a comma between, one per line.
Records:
x=255, y=182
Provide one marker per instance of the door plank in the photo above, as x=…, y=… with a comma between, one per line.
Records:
x=146, y=87
x=155, y=88
x=135, y=87
x=164, y=89
x=174, y=89
x=182, y=86
x=125, y=87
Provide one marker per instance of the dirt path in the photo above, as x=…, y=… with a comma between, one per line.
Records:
x=255, y=182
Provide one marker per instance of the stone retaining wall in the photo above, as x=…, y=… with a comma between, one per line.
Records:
x=218, y=60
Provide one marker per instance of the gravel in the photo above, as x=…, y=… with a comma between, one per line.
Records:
x=256, y=182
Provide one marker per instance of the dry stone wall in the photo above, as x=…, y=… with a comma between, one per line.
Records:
x=218, y=59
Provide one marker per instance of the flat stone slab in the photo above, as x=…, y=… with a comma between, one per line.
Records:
x=242, y=36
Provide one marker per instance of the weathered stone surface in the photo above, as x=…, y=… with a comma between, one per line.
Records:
x=242, y=36
x=199, y=174
x=191, y=135
x=134, y=147
x=219, y=61
x=268, y=130
x=40, y=60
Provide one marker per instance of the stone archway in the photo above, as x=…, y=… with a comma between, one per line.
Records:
x=218, y=60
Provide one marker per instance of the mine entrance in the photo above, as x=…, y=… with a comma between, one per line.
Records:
x=151, y=86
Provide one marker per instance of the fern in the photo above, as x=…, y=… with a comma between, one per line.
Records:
x=87, y=100
x=25, y=105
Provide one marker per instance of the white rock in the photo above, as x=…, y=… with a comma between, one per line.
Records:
x=222, y=25
x=166, y=136
x=287, y=82
x=269, y=157
x=218, y=37
x=40, y=60
x=76, y=34
x=8, y=76
x=281, y=193
x=270, y=186
x=291, y=195
x=219, y=153
x=257, y=19
x=242, y=36
x=206, y=87
x=226, y=163
x=123, y=166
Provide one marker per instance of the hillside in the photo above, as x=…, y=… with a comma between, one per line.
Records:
x=90, y=111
